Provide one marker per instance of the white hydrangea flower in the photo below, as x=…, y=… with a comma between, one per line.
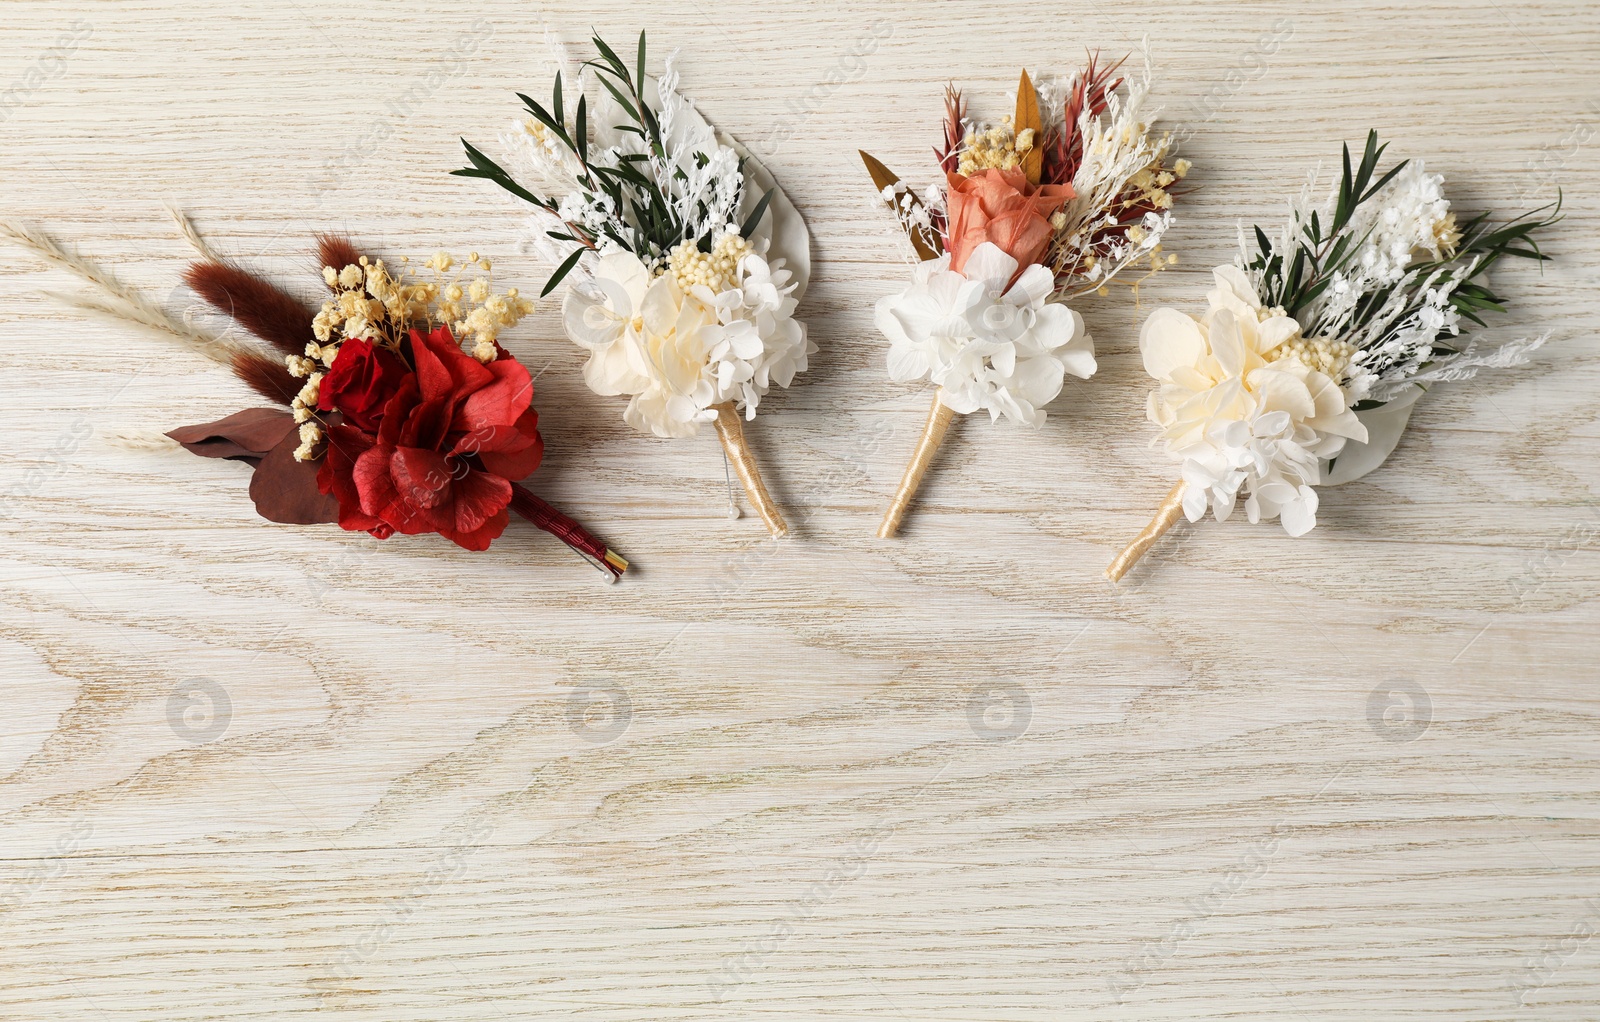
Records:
x=678, y=353
x=756, y=341
x=1238, y=419
x=986, y=341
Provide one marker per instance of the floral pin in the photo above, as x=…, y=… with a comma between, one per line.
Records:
x=685, y=260
x=1317, y=343
x=383, y=423
x=1048, y=205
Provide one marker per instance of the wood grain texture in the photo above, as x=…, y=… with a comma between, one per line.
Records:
x=954, y=776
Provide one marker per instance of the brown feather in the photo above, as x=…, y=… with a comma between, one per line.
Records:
x=271, y=314
x=266, y=377
x=337, y=251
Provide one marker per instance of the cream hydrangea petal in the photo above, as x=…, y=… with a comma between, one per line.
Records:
x=1233, y=292
x=1196, y=495
x=648, y=413
x=1157, y=410
x=1037, y=381
x=610, y=371
x=1229, y=277
x=790, y=241
x=682, y=408
x=1190, y=378
x=1332, y=413
x=659, y=307
x=1228, y=345
x=1272, y=424
x=932, y=309
x=884, y=318
x=590, y=323
x=1032, y=287
x=1003, y=359
x=640, y=354
x=908, y=362
x=744, y=340
x=925, y=270
x=961, y=399
x=1282, y=389
x=990, y=266
x=1169, y=339
x=1053, y=327
x=1274, y=331
x=1299, y=515
x=1077, y=354
x=683, y=359
x=1078, y=359
x=629, y=275
x=1004, y=402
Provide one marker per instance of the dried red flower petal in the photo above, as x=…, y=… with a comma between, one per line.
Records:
x=363, y=377
x=443, y=450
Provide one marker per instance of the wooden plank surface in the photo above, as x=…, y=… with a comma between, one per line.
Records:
x=252, y=771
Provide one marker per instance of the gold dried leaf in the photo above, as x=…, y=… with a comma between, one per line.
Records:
x=883, y=177
x=1028, y=117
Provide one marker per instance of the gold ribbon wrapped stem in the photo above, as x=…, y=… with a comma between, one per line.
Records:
x=1166, y=516
x=939, y=418
x=731, y=429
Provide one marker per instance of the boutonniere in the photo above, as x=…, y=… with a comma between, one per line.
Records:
x=683, y=258
x=1317, y=342
x=380, y=422
x=1048, y=205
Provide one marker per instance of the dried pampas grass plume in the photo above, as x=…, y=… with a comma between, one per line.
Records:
x=187, y=227
x=118, y=301
x=142, y=442
x=112, y=310
x=119, y=304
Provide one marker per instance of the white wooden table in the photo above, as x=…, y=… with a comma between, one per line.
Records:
x=954, y=776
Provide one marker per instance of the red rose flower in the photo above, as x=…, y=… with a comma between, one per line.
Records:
x=360, y=382
x=448, y=443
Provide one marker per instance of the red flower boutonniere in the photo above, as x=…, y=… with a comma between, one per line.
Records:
x=385, y=424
